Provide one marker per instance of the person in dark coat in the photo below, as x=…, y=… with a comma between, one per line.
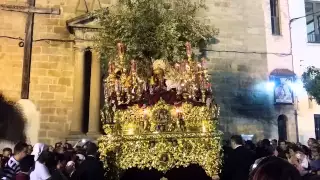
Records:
x=238, y=163
x=25, y=166
x=264, y=150
x=91, y=167
x=60, y=164
x=282, y=149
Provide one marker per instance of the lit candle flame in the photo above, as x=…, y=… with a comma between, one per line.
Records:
x=130, y=131
x=204, y=128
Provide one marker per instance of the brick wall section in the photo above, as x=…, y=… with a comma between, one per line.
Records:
x=10, y=53
x=53, y=67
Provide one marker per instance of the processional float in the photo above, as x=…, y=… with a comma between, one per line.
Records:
x=163, y=121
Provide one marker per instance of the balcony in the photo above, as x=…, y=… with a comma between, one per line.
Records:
x=313, y=38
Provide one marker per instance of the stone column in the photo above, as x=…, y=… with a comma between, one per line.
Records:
x=78, y=101
x=95, y=85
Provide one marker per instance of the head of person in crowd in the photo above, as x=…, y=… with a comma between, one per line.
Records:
x=7, y=152
x=30, y=149
x=283, y=145
x=60, y=161
x=300, y=153
x=250, y=145
x=58, y=145
x=68, y=147
x=306, y=150
x=259, y=144
x=80, y=158
x=70, y=168
x=91, y=149
x=311, y=142
x=315, y=153
x=265, y=143
x=236, y=141
x=315, y=160
x=78, y=149
x=51, y=148
x=292, y=149
x=226, y=143
x=274, y=142
x=274, y=168
x=299, y=145
x=40, y=152
x=58, y=148
x=20, y=151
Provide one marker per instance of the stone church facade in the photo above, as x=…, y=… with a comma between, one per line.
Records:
x=65, y=84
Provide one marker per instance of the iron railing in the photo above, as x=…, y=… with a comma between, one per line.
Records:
x=313, y=37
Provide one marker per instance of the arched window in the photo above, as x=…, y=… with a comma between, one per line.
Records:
x=282, y=127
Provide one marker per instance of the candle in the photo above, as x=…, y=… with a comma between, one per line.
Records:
x=203, y=63
x=120, y=48
x=117, y=86
x=110, y=67
x=188, y=49
x=133, y=66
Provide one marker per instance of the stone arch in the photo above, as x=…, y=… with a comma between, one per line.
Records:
x=282, y=127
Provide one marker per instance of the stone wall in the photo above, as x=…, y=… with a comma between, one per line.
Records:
x=239, y=69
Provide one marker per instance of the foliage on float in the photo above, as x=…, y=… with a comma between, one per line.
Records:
x=311, y=82
x=151, y=29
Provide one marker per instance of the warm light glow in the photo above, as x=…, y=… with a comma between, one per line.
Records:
x=178, y=110
x=146, y=112
x=204, y=128
x=130, y=131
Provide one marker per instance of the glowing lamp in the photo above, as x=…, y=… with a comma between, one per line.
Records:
x=130, y=131
x=204, y=128
x=145, y=111
x=270, y=85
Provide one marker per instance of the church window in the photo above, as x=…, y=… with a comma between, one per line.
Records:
x=282, y=127
x=313, y=21
x=275, y=18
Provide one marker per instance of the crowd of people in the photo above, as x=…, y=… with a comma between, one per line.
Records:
x=242, y=160
x=270, y=160
x=42, y=162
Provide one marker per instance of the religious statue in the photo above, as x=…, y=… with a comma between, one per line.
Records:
x=283, y=92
